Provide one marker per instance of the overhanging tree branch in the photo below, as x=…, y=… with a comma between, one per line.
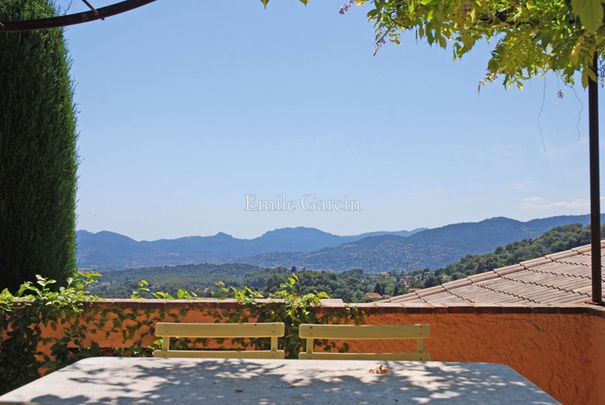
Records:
x=72, y=19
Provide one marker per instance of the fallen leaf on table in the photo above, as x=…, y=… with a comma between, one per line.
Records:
x=382, y=369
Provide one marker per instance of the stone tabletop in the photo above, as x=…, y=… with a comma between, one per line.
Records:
x=112, y=380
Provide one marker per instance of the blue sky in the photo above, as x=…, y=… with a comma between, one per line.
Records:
x=185, y=106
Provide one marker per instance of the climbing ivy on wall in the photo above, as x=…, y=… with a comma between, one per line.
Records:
x=287, y=305
x=43, y=328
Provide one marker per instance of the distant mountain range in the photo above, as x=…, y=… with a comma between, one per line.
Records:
x=315, y=249
x=111, y=250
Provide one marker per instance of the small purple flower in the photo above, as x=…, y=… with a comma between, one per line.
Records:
x=345, y=7
x=379, y=43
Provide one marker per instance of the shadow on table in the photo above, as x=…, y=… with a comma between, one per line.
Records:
x=248, y=382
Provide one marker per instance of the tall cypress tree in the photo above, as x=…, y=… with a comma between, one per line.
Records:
x=38, y=158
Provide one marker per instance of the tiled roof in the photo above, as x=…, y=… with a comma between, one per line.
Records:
x=559, y=278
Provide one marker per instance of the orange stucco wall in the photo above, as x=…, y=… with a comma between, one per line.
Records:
x=561, y=353
x=560, y=349
x=598, y=365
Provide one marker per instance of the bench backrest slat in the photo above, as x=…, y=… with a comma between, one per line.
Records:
x=220, y=330
x=272, y=330
x=419, y=332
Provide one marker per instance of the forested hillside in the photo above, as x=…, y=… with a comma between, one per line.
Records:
x=555, y=240
x=202, y=280
x=313, y=249
x=351, y=286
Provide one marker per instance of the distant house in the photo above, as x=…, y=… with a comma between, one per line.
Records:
x=374, y=296
x=559, y=278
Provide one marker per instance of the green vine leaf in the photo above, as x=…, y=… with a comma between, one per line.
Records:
x=529, y=37
x=67, y=309
x=590, y=13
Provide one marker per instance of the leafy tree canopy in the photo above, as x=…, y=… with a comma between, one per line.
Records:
x=531, y=37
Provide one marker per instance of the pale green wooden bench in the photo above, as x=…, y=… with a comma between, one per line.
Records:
x=419, y=332
x=273, y=330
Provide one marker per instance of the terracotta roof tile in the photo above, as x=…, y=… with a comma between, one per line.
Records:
x=568, y=269
x=584, y=249
x=535, y=262
x=577, y=259
x=430, y=291
x=559, y=278
x=509, y=269
x=406, y=298
x=483, y=276
x=445, y=298
x=458, y=283
x=561, y=255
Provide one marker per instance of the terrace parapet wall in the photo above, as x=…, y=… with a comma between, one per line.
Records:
x=559, y=348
